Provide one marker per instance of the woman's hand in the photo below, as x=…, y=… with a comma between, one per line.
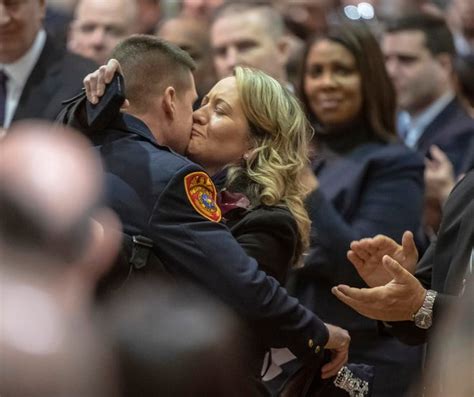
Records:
x=95, y=82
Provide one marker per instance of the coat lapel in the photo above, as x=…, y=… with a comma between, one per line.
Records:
x=42, y=84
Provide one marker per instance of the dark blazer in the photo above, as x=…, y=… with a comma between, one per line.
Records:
x=444, y=265
x=269, y=235
x=146, y=187
x=452, y=130
x=374, y=189
x=57, y=76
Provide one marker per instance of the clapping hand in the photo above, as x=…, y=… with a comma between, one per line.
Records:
x=397, y=300
x=366, y=255
x=95, y=82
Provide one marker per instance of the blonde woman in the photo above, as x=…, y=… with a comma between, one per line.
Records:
x=252, y=136
x=251, y=133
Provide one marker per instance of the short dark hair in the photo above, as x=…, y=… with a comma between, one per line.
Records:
x=151, y=64
x=379, y=100
x=438, y=37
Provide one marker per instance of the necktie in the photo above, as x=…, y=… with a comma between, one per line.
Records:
x=3, y=96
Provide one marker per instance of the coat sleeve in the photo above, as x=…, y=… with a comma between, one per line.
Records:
x=389, y=202
x=205, y=252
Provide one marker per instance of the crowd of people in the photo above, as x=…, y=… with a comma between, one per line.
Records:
x=280, y=204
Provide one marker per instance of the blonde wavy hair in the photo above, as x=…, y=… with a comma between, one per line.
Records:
x=273, y=175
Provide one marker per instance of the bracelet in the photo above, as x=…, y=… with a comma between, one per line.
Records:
x=353, y=385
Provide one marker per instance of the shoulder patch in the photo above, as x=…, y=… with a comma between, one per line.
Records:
x=202, y=195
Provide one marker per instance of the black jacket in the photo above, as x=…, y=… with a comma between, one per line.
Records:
x=56, y=76
x=269, y=235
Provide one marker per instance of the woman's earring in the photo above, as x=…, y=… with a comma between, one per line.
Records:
x=246, y=156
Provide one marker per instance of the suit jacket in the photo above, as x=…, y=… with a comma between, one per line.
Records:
x=374, y=189
x=146, y=187
x=56, y=76
x=443, y=267
x=453, y=131
x=268, y=234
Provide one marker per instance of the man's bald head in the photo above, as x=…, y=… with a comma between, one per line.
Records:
x=99, y=25
x=50, y=183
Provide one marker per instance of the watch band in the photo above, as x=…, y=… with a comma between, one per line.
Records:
x=423, y=317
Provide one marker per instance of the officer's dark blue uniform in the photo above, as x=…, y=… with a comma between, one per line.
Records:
x=166, y=197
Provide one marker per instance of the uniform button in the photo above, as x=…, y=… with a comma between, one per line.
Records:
x=310, y=343
x=317, y=349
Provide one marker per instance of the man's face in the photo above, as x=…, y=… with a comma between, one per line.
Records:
x=245, y=40
x=414, y=71
x=180, y=135
x=20, y=21
x=99, y=26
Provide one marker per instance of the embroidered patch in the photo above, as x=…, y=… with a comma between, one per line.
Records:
x=202, y=194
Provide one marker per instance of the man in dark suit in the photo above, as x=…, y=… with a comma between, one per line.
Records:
x=416, y=303
x=164, y=196
x=35, y=76
x=419, y=51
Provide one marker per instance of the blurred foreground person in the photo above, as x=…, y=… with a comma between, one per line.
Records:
x=452, y=365
x=52, y=253
x=174, y=340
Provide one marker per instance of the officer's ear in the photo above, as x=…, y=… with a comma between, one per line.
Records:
x=169, y=102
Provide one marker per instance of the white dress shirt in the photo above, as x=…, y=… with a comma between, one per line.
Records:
x=415, y=126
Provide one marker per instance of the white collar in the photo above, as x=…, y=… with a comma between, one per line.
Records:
x=20, y=70
x=422, y=120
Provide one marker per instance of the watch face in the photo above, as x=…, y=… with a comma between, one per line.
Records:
x=423, y=320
